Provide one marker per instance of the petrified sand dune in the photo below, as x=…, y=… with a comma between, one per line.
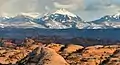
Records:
x=50, y=57
x=56, y=47
x=61, y=54
x=72, y=48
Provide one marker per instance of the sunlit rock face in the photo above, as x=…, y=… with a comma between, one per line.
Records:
x=50, y=57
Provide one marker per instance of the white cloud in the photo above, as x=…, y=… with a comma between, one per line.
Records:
x=58, y=5
x=69, y=4
x=18, y=6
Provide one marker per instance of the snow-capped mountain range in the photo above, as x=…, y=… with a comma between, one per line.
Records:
x=60, y=19
x=111, y=21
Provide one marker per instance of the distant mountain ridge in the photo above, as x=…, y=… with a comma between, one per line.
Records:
x=109, y=18
x=112, y=21
x=60, y=19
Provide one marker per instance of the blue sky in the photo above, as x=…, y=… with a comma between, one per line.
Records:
x=86, y=9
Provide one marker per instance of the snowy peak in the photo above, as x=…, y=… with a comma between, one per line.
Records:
x=59, y=19
x=62, y=15
x=19, y=21
x=109, y=21
x=64, y=12
x=109, y=18
x=33, y=15
x=19, y=18
x=117, y=16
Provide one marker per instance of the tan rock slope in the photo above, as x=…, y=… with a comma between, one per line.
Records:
x=72, y=48
x=50, y=57
x=60, y=54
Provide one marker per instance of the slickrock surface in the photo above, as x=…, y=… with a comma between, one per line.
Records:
x=91, y=55
x=50, y=57
x=61, y=54
x=12, y=56
x=113, y=59
x=72, y=48
x=56, y=47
